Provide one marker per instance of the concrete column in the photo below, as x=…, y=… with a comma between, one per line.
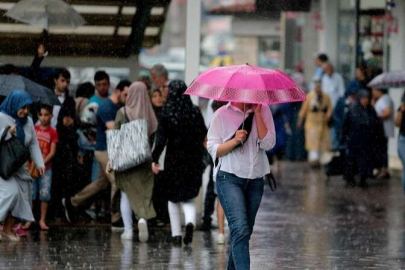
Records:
x=133, y=64
x=283, y=40
x=397, y=62
x=328, y=39
x=310, y=41
x=397, y=41
x=193, y=32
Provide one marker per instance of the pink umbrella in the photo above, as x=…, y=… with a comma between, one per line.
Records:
x=246, y=84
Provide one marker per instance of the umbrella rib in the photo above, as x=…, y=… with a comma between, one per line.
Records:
x=233, y=74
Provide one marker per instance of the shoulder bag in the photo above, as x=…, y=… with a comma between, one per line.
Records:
x=128, y=146
x=13, y=155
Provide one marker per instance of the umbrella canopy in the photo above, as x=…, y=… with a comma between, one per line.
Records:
x=246, y=84
x=38, y=93
x=389, y=79
x=46, y=14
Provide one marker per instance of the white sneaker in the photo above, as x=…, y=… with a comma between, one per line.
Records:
x=143, y=230
x=127, y=235
x=221, y=239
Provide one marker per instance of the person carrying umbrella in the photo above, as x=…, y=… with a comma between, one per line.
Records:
x=243, y=166
x=240, y=134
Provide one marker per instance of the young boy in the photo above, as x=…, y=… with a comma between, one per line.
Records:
x=47, y=138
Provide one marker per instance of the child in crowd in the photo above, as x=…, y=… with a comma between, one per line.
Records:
x=47, y=139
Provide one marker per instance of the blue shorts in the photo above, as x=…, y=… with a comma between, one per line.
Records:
x=42, y=185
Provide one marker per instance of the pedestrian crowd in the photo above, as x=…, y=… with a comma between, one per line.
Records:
x=69, y=177
x=355, y=121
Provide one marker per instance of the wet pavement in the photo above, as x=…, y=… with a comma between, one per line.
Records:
x=308, y=223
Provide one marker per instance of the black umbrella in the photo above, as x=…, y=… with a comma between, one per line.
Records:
x=38, y=93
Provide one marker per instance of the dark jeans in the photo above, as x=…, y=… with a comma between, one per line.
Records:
x=240, y=199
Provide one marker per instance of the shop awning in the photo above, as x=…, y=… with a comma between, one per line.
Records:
x=114, y=28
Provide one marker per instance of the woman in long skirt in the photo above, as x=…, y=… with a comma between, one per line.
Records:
x=15, y=192
x=136, y=184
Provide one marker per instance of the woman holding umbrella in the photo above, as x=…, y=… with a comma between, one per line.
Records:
x=15, y=192
x=239, y=136
x=243, y=164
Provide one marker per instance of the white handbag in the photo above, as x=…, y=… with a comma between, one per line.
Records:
x=128, y=147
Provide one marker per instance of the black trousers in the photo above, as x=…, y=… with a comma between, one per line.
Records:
x=160, y=202
x=210, y=196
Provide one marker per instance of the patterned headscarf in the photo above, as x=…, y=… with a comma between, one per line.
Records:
x=138, y=106
x=12, y=104
x=178, y=108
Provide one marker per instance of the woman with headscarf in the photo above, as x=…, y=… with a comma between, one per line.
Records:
x=136, y=184
x=362, y=130
x=182, y=130
x=15, y=192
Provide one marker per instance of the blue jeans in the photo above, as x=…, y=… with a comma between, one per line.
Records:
x=240, y=199
x=401, y=153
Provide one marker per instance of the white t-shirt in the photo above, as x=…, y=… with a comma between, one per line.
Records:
x=383, y=103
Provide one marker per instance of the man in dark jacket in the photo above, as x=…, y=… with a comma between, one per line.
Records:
x=65, y=161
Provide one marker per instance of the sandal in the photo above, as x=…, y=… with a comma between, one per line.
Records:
x=11, y=237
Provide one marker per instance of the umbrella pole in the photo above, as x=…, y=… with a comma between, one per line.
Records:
x=244, y=115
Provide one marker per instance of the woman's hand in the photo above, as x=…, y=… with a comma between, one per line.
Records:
x=41, y=171
x=257, y=109
x=108, y=168
x=299, y=123
x=68, y=121
x=13, y=130
x=240, y=136
x=80, y=159
x=155, y=168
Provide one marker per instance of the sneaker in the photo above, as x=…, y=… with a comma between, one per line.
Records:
x=175, y=240
x=91, y=213
x=117, y=226
x=68, y=210
x=206, y=226
x=188, y=237
x=127, y=235
x=143, y=230
x=221, y=239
